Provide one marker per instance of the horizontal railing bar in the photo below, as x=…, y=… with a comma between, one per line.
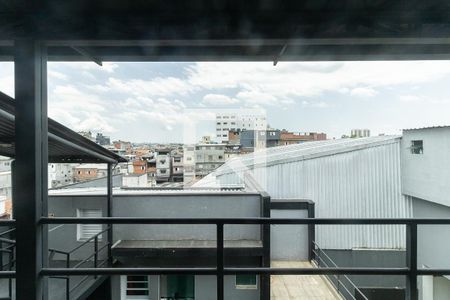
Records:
x=317, y=271
x=299, y=221
x=126, y=271
x=58, y=251
x=7, y=222
x=7, y=274
x=227, y=271
x=86, y=242
x=435, y=272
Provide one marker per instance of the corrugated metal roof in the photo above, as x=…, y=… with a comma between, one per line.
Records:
x=64, y=145
x=347, y=178
x=303, y=151
x=98, y=191
x=429, y=127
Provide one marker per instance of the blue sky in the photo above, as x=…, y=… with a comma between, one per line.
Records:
x=153, y=102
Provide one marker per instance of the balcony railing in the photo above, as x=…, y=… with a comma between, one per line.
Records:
x=410, y=271
x=322, y=258
x=94, y=258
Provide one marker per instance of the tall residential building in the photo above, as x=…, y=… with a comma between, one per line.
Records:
x=189, y=163
x=208, y=157
x=163, y=165
x=359, y=133
x=234, y=121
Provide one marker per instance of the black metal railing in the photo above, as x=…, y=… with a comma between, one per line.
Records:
x=341, y=281
x=92, y=258
x=410, y=271
x=8, y=250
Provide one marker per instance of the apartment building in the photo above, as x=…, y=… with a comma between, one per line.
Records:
x=163, y=165
x=208, y=157
x=189, y=163
x=233, y=121
x=102, y=139
x=289, y=138
x=260, y=139
x=177, y=167
x=61, y=174
x=140, y=167
x=359, y=133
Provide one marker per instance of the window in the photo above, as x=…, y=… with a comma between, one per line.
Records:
x=135, y=287
x=417, y=147
x=177, y=287
x=86, y=231
x=163, y=171
x=188, y=158
x=210, y=157
x=218, y=123
x=79, y=172
x=246, y=282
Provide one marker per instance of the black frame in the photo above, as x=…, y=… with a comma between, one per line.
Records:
x=410, y=270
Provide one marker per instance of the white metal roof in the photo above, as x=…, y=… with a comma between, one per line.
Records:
x=101, y=191
x=303, y=151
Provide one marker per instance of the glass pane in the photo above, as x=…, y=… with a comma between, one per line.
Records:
x=245, y=279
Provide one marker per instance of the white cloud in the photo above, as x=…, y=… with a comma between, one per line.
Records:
x=57, y=75
x=410, y=98
x=363, y=92
x=217, y=99
x=311, y=79
x=107, y=67
x=160, y=86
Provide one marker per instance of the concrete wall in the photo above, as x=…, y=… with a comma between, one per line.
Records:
x=427, y=175
x=63, y=237
x=369, y=258
x=205, y=289
x=433, y=240
x=289, y=242
x=185, y=206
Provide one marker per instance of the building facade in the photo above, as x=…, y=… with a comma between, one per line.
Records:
x=163, y=165
x=359, y=133
x=208, y=157
x=234, y=121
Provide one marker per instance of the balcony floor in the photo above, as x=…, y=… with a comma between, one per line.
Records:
x=300, y=287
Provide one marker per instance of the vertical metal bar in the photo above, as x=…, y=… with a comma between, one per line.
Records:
x=68, y=277
x=95, y=253
x=220, y=261
x=311, y=231
x=30, y=186
x=109, y=211
x=411, y=261
x=265, y=235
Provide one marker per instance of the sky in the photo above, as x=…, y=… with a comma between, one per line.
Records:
x=163, y=102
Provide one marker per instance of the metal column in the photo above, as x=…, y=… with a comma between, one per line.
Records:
x=265, y=235
x=412, y=292
x=31, y=144
x=109, y=195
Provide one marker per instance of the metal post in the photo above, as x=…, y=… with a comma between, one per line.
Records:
x=411, y=262
x=220, y=262
x=265, y=234
x=109, y=210
x=95, y=253
x=311, y=231
x=68, y=277
x=30, y=186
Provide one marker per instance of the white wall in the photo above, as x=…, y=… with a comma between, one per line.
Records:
x=363, y=183
x=427, y=175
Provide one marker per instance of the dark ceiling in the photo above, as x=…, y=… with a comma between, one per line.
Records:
x=230, y=30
